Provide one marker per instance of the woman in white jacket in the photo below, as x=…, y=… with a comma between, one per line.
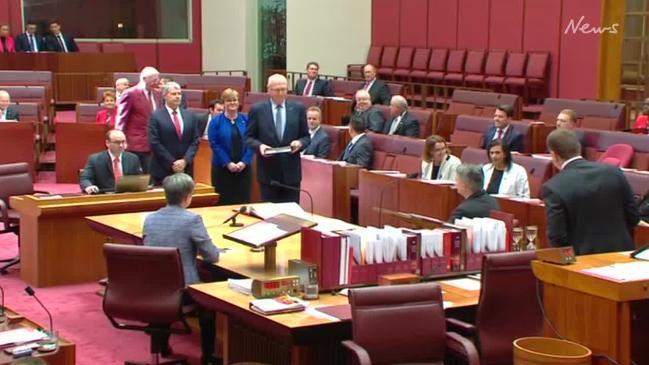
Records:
x=437, y=163
x=502, y=176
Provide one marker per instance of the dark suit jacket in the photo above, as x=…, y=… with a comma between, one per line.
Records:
x=379, y=92
x=22, y=43
x=165, y=146
x=202, y=120
x=52, y=45
x=591, y=207
x=512, y=138
x=361, y=153
x=478, y=205
x=409, y=126
x=285, y=167
x=320, y=88
x=99, y=170
x=12, y=114
x=373, y=119
x=320, y=145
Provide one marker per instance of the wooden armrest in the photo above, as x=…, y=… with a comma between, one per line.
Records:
x=463, y=348
x=465, y=329
x=362, y=356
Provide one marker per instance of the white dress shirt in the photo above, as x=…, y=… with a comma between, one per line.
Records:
x=514, y=182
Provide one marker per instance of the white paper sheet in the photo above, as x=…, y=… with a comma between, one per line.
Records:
x=20, y=335
x=630, y=271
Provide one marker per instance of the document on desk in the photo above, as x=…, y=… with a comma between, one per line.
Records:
x=630, y=271
x=265, y=211
x=20, y=335
x=264, y=232
x=465, y=284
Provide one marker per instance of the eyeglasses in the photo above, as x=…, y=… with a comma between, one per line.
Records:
x=118, y=142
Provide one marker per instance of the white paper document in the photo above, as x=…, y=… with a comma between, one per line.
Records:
x=20, y=335
x=265, y=211
x=630, y=271
x=264, y=232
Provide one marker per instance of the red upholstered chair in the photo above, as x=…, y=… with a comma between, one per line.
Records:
x=515, y=67
x=535, y=79
x=476, y=156
x=252, y=98
x=436, y=66
x=494, y=66
x=508, y=287
x=87, y=113
x=419, y=63
x=388, y=62
x=619, y=155
x=403, y=324
x=454, y=64
x=474, y=65
x=15, y=179
x=144, y=292
x=88, y=47
x=404, y=62
x=469, y=130
x=539, y=171
x=113, y=47
x=373, y=57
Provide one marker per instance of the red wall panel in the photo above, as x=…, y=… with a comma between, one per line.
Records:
x=542, y=32
x=473, y=24
x=442, y=23
x=385, y=22
x=579, y=53
x=413, y=23
x=506, y=25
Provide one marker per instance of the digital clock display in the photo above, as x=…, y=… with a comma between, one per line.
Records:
x=271, y=285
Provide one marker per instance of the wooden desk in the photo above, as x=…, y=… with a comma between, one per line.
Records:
x=336, y=109
x=203, y=163
x=329, y=184
x=608, y=317
x=292, y=338
x=58, y=247
x=65, y=355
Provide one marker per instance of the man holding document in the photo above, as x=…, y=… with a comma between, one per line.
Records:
x=278, y=130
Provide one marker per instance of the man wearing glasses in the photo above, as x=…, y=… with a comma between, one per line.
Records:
x=105, y=168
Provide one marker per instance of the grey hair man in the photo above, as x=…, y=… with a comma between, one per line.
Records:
x=403, y=123
x=477, y=203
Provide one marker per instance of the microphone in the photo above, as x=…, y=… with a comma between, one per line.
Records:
x=234, y=216
x=289, y=187
x=2, y=305
x=31, y=293
x=411, y=175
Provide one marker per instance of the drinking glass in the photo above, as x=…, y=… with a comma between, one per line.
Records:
x=517, y=236
x=531, y=232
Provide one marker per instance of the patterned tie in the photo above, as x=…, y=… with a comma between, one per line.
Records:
x=177, y=125
x=62, y=43
x=308, y=89
x=279, y=123
x=117, y=169
x=500, y=133
x=367, y=85
x=348, y=150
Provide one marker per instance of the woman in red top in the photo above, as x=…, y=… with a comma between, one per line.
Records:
x=107, y=114
x=7, y=43
x=641, y=121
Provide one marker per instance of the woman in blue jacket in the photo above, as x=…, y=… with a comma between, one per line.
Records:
x=231, y=159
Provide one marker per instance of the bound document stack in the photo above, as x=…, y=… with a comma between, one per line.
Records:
x=283, y=304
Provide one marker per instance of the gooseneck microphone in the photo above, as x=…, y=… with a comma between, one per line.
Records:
x=289, y=187
x=234, y=216
x=32, y=293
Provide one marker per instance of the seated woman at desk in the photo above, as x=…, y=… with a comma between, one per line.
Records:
x=501, y=175
x=107, y=114
x=436, y=161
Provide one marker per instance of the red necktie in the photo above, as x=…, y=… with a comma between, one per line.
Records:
x=309, y=86
x=177, y=124
x=152, y=101
x=500, y=133
x=117, y=169
x=367, y=85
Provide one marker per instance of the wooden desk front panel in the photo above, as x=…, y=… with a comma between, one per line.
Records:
x=329, y=184
x=420, y=197
x=372, y=187
x=18, y=143
x=336, y=110
x=203, y=163
x=74, y=143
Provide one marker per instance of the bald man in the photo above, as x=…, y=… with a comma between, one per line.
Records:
x=278, y=122
x=7, y=113
x=402, y=123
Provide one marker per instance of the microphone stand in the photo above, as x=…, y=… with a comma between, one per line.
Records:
x=289, y=187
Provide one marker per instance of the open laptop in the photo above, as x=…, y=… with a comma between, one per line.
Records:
x=132, y=183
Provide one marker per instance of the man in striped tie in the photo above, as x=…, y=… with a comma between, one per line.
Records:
x=312, y=85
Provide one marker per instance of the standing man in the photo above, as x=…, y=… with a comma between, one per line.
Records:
x=320, y=145
x=278, y=123
x=312, y=85
x=133, y=111
x=214, y=108
x=59, y=42
x=7, y=113
x=402, y=123
x=121, y=85
x=7, y=42
x=502, y=129
x=173, y=136
x=589, y=205
x=378, y=89
x=105, y=168
x=29, y=41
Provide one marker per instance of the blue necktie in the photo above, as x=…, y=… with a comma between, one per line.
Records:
x=279, y=123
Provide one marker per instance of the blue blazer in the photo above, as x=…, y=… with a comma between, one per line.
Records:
x=512, y=138
x=220, y=135
x=22, y=43
x=285, y=167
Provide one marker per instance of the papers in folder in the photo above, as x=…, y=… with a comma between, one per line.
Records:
x=262, y=233
x=278, y=150
x=283, y=304
x=631, y=271
x=20, y=335
x=265, y=211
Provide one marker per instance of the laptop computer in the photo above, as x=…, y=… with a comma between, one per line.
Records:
x=132, y=183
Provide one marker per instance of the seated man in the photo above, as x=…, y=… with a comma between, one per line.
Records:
x=312, y=85
x=320, y=145
x=105, y=168
x=359, y=151
x=175, y=226
x=402, y=123
x=371, y=116
x=477, y=203
x=57, y=41
x=567, y=119
x=378, y=89
x=503, y=130
x=7, y=113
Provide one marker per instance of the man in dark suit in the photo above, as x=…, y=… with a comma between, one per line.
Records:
x=378, y=89
x=371, y=116
x=59, y=42
x=477, y=203
x=359, y=151
x=104, y=168
x=502, y=129
x=320, y=145
x=402, y=123
x=173, y=136
x=6, y=111
x=29, y=41
x=589, y=205
x=134, y=108
x=215, y=107
x=312, y=85
x=278, y=123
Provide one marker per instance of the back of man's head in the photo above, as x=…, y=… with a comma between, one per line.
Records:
x=471, y=176
x=177, y=188
x=357, y=125
x=564, y=143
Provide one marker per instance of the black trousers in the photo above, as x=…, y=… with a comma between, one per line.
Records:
x=145, y=160
x=232, y=187
x=277, y=194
